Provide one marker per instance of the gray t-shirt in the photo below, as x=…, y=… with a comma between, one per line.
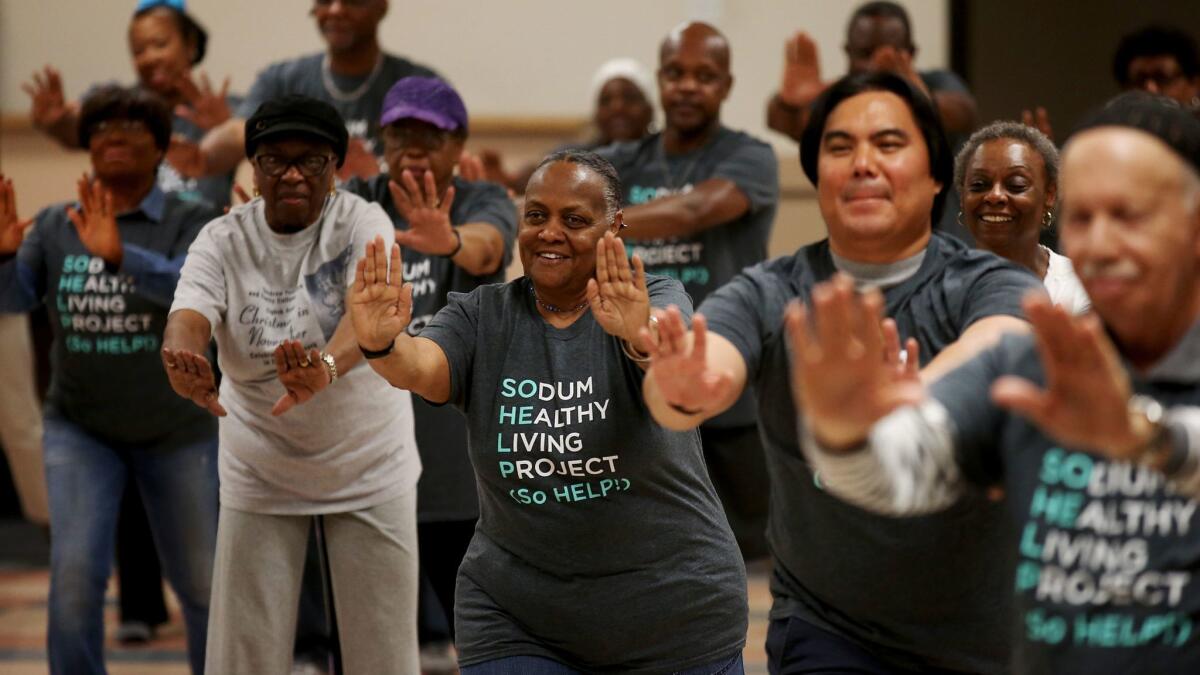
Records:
x=917, y=592
x=1107, y=555
x=358, y=100
x=601, y=542
x=106, y=373
x=217, y=188
x=705, y=261
x=447, y=487
x=350, y=447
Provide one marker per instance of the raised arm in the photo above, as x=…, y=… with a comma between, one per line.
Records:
x=51, y=112
x=380, y=308
x=787, y=111
x=185, y=341
x=478, y=248
x=693, y=376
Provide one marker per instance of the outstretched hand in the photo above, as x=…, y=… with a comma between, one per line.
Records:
x=1085, y=401
x=801, y=71
x=1038, y=119
x=380, y=301
x=303, y=375
x=890, y=59
x=97, y=224
x=49, y=105
x=429, y=228
x=618, y=296
x=12, y=228
x=205, y=107
x=192, y=377
x=680, y=366
x=845, y=370
x=186, y=157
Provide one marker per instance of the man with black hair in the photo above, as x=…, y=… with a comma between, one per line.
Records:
x=700, y=200
x=854, y=591
x=1160, y=60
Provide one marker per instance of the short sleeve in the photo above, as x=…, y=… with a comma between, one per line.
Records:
x=944, y=81
x=665, y=291
x=454, y=330
x=965, y=392
x=996, y=290
x=494, y=207
x=752, y=167
x=201, y=286
x=267, y=85
x=738, y=311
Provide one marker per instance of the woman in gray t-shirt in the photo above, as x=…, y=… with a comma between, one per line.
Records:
x=601, y=546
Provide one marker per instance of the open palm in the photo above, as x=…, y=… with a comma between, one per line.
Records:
x=618, y=294
x=380, y=302
x=12, y=228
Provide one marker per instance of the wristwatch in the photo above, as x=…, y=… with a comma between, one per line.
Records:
x=331, y=365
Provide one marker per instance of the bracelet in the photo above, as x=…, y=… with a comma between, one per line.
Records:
x=631, y=355
x=458, y=246
x=327, y=358
x=370, y=354
x=682, y=410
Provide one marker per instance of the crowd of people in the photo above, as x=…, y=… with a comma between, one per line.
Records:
x=962, y=430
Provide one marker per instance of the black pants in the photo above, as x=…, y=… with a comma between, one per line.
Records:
x=442, y=546
x=737, y=466
x=139, y=576
x=797, y=647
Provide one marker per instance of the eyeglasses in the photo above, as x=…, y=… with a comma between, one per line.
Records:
x=1161, y=79
x=275, y=166
x=426, y=138
x=127, y=126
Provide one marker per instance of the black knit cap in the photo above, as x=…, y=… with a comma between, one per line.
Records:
x=1160, y=116
x=297, y=116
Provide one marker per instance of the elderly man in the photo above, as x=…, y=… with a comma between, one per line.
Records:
x=1092, y=428
x=700, y=202
x=852, y=589
x=352, y=75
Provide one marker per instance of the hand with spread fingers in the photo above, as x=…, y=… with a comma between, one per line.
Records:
x=429, y=228
x=801, y=72
x=844, y=372
x=380, y=301
x=96, y=225
x=890, y=59
x=359, y=163
x=302, y=373
x=12, y=228
x=1085, y=401
x=618, y=296
x=1038, y=119
x=191, y=376
x=680, y=368
x=50, y=107
x=205, y=107
x=187, y=157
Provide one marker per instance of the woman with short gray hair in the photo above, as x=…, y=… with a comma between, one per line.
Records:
x=1007, y=174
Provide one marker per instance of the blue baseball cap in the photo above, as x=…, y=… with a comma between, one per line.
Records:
x=428, y=99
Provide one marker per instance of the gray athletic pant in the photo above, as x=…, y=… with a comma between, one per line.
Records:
x=256, y=587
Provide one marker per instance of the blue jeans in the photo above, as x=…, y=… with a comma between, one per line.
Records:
x=536, y=665
x=85, y=478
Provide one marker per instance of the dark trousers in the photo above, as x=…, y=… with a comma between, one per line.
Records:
x=737, y=466
x=442, y=545
x=797, y=647
x=139, y=575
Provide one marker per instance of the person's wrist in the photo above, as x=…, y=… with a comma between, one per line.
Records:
x=458, y=243
x=788, y=103
x=370, y=353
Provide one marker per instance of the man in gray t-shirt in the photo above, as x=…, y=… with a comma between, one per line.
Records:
x=352, y=75
x=854, y=591
x=700, y=201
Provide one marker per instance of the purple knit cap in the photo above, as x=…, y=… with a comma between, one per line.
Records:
x=428, y=99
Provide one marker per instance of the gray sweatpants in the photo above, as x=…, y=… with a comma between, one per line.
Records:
x=256, y=587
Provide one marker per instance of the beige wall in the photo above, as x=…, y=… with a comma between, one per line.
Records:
x=512, y=58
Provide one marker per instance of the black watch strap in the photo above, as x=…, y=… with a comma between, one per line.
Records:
x=376, y=354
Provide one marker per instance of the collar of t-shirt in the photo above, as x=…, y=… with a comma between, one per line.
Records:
x=882, y=276
x=1182, y=363
x=152, y=205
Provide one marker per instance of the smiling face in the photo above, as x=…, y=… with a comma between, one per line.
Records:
x=347, y=25
x=292, y=200
x=565, y=215
x=622, y=111
x=1131, y=226
x=874, y=184
x=160, y=53
x=1005, y=196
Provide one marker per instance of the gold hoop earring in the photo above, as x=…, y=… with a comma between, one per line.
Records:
x=1048, y=220
x=958, y=219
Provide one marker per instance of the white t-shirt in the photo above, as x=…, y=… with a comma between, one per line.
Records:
x=351, y=446
x=1064, y=287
